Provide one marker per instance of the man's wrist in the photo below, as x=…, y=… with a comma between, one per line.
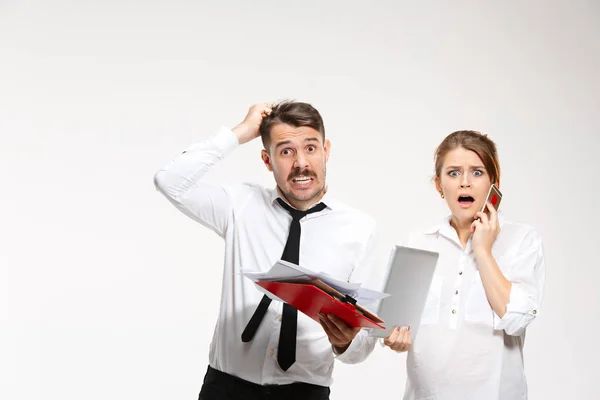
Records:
x=342, y=349
x=242, y=131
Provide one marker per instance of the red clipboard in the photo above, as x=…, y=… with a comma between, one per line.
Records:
x=314, y=296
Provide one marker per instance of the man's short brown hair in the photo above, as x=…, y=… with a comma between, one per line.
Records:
x=291, y=113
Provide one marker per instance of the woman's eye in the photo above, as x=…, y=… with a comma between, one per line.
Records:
x=454, y=173
x=477, y=172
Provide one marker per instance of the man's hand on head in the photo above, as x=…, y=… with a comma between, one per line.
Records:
x=249, y=128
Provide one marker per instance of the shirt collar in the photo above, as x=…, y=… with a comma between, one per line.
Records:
x=329, y=200
x=447, y=230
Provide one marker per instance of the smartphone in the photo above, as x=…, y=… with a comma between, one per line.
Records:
x=494, y=196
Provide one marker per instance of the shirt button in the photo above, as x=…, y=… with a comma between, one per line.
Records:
x=460, y=273
x=271, y=352
x=453, y=311
x=456, y=292
x=279, y=318
x=534, y=312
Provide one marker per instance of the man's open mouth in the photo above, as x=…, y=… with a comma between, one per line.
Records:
x=302, y=179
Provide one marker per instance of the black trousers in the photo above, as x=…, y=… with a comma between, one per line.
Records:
x=221, y=386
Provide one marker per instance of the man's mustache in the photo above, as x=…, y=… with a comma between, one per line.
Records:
x=301, y=172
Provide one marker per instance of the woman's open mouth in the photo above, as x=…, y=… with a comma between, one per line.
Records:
x=466, y=201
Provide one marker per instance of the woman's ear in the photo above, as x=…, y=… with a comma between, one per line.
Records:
x=438, y=186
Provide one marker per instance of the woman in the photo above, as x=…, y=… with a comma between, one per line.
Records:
x=486, y=289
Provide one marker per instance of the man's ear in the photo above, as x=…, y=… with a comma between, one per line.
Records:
x=266, y=159
x=326, y=149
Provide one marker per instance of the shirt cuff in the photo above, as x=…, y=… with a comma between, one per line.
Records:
x=520, y=311
x=359, y=349
x=346, y=356
x=225, y=140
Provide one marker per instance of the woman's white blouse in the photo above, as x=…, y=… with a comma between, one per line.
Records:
x=462, y=349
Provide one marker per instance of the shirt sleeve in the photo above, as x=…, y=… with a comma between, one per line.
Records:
x=180, y=181
x=362, y=345
x=527, y=275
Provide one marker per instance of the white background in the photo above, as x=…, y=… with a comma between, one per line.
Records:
x=107, y=292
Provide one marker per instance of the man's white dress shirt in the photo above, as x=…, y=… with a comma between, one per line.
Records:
x=255, y=228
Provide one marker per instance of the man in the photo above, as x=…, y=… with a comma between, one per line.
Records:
x=263, y=349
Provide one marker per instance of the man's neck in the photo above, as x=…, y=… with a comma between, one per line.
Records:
x=304, y=205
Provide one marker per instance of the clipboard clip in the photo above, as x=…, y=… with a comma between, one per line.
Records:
x=349, y=299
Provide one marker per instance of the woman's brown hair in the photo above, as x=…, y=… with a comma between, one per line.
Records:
x=483, y=146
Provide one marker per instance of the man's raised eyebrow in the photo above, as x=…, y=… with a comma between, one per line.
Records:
x=282, y=143
x=285, y=142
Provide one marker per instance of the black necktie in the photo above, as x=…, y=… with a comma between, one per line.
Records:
x=286, y=352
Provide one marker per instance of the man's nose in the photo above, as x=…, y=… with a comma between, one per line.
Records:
x=300, y=161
